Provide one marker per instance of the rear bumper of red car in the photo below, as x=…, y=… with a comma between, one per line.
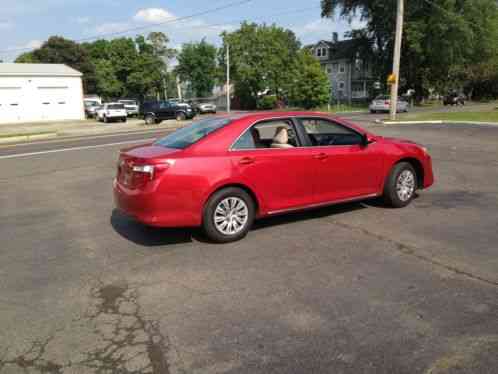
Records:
x=154, y=209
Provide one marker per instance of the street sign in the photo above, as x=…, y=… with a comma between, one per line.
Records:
x=391, y=79
x=377, y=85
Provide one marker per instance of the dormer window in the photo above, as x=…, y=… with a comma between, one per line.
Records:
x=321, y=52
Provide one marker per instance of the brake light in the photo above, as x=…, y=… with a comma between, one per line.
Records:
x=145, y=169
x=138, y=175
x=387, y=102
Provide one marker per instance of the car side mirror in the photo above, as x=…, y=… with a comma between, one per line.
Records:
x=367, y=140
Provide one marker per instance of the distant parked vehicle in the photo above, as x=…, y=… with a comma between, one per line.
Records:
x=206, y=108
x=90, y=108
x=383, y=104
x=454, y=99
x=131, y=107
x=112, y=112
x=157, y=111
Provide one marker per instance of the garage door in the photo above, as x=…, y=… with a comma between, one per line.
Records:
x=10, y=104
x=54, y=102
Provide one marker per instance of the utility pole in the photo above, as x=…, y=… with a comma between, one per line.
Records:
x=179, y=88
x=397, y=58
x=228, y=78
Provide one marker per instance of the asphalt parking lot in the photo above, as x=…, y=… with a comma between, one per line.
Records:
x=355, y=288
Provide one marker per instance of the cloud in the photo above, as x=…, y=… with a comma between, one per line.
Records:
x=82, y=20
x=153, y=15
x=112, y=27
x=4, y=25
x=33, y=44
x=322, y=28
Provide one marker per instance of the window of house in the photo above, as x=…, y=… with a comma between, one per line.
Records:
x=322, y=132
x=335, y=68
x=263, y=135
x=342, y=85
x=318, y=52
x=329, y=69
x=342, y=68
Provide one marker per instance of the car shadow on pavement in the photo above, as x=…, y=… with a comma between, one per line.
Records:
x=308, y=214
x=150, y=236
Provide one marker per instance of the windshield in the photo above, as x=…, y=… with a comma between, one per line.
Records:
x=115, y=106
x=91, y=103
x=187, y=136
x=128, y=102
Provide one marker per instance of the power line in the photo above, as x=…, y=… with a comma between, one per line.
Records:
x=105, y=35
x=206, y=26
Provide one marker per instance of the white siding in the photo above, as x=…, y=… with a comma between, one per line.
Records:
x=33, y=99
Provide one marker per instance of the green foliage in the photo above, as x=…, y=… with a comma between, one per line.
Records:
x=310, y=87
x=57, y=50
x=260, y=57
x=268, y=102
x=447, y=43
x=197, y=65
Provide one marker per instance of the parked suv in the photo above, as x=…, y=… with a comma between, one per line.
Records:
x=454, y=99
x=157, y=111
x=111, y=112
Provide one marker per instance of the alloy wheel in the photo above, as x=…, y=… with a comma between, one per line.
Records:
x=405, y=185
x=231, y=216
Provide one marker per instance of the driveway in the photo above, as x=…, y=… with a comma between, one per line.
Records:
x=356, y=288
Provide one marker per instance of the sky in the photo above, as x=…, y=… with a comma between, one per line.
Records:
x=25, y=24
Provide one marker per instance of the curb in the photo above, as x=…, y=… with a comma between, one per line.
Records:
x=27, y=138
x=435, y=122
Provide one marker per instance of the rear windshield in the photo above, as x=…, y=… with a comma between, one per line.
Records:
x=187, y=136
x=128, y=102
x=115, y=106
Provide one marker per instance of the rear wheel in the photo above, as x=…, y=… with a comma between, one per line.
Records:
x=181, y=116
x=228, y=215
x=400, y=186
x=105, y=119
x=149, y=120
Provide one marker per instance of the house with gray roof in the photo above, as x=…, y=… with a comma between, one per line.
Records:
x=351, y=76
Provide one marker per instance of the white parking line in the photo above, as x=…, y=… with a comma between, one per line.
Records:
x=74, y=148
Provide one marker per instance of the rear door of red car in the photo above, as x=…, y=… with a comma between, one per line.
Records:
x=344, y=167
x=281, y=177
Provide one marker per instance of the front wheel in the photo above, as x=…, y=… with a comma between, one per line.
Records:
x=228, y=215
x=400, y=186
x=181, y=116
x=149, y=120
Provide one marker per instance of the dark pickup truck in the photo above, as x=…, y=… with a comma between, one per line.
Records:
x=157, y=111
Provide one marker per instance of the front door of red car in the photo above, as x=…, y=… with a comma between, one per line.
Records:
x=344, y=166
x=269, y=159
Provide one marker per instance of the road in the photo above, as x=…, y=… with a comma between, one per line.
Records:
x=356, y=288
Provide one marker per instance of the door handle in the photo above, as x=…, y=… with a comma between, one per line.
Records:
x=247, y=161
x=321, y=156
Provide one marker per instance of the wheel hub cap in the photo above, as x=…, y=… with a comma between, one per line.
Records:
x=231, y=216
x=405, y=185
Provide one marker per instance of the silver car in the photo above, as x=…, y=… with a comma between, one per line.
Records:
x=383, y=104
x=206, y=108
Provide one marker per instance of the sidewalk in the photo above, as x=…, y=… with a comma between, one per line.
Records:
x=13, y=133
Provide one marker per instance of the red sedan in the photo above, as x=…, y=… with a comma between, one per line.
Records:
x=222, y=173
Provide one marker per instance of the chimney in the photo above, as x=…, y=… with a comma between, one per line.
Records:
x=335, y=37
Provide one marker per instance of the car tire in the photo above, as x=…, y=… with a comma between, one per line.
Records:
x=150, y=120
x=181, y=116
x=124, y=119
x=400, y=185
x=215, y=216
x=105, y=119
x=373, y=111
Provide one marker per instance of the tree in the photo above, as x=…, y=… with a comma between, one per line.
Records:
x=57, y=50
x=442, y=38
x=260, y=57
x=310, y=86
x=197, y=65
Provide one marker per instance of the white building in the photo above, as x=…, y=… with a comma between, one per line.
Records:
x=40, y=92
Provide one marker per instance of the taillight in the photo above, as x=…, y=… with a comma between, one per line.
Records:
x=138, y=175
x=387, y=103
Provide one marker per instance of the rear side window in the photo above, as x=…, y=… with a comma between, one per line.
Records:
x=268, y=134
x=115, y=106
x=189, y=135
x=322, y=132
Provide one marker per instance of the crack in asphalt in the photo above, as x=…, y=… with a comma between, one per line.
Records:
x=415, y=252
x=112, y=335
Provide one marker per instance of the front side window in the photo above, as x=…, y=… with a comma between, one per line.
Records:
x=189, y=135
x=269, y=134
x=322, y=132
